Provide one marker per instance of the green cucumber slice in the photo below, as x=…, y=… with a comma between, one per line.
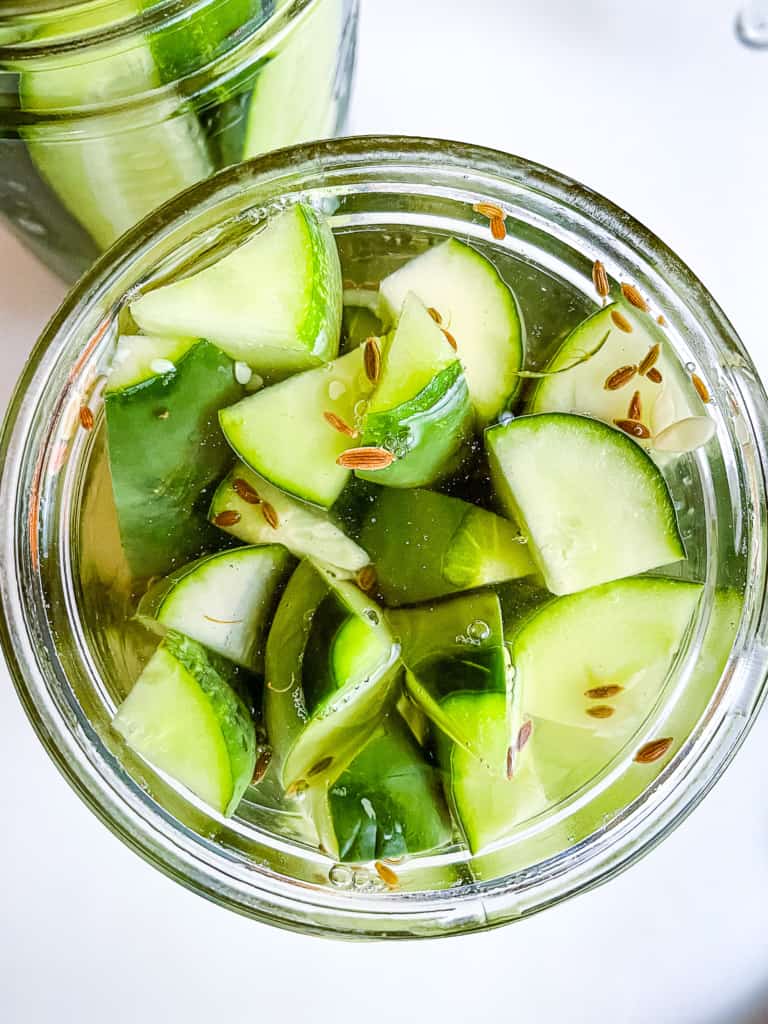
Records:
x=283, y=433
x=185, y=718
x=274, y=302
x=293, y=99
x=582, y=389
x=426, y=545
x=161, y=484
x=318, y=719
x=387, y=802
x=301, y=529
x=455, y=646
x=420, y=409
x=486, y=802
x=110, y=169
x=480, y=311
x=224, y=601
x=593, y=504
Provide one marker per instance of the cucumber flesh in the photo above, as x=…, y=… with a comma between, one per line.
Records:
x=135, y=356
x=161, y=484
x=387, y=802
x=294, y=97
x=582, y=389
x=185, y=718
x=283, y=434
x=110, y=169
x=480, y=311
x=426, y=545
x=593, y=504
x=301, y=529
x=274, y=302
x=223, y=601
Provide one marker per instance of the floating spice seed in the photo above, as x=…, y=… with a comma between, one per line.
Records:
x=510, y=761
x=652, y=751
x=386, y=874
x=262, y=763
x=338, y=424
x=86, y=418
x=701, y=387
x=244, y=490
x=365, y=458
x=600, y=711
x=366, y=578
x=654, y=375
x=661, y=320
x=320, y=767
x=372, y=359
x=524, y=734
x=601, y=692
x=227, y=518
x=600, y=279
x=489, y=210
x=498, y=228
x=634, y=428
x=450, y=339
x=633, y=296
x=621, y=376
x=621, y=321
x=434, y=314
x=297, y=787
x=649, y=359
x=685, y=435
x=270, y=514
x=635, y=410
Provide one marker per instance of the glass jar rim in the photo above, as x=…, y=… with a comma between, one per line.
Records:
x=367, y=160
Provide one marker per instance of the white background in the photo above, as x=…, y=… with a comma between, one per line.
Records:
x=655, y=105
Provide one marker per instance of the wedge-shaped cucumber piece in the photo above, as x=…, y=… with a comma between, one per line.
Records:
x=592, y=503
x=388, y=801
x=420, y=410
x=301, y=529
x=290, y=433
x=582, y=388
x=224, y=601
x=113, y=168
x=274, y=302
x=487, y=799
x=331, y=667
x=478, y=309
x=165, y=446
x=294, y=99
x=426, y=545
x=185, y=718
x=455, y=646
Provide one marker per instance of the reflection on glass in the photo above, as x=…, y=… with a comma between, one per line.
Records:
x=752, y=23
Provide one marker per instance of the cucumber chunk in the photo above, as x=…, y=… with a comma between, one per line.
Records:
x=427, y=545
x=165, y=446
x=294, y=97
x=301, y=529
x=582, y=389
x=420, y=410
x=112, y=168
x=224, y=601
x=480, y=311
x=455, y=646
x=317, y=717
x=593, y=504
x=185, y=718
x=486, y=802
x=274, y=302
x=388, y=801
x=283, y=434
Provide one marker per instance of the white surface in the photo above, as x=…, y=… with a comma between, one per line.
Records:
x=651, y=104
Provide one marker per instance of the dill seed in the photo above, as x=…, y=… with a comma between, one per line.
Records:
x=649, y=359
x=498, y=228
x=434, y=314
x=633, y=296
x=510, y=761
x=621, y=376
x=366, y=578
x=372, y=359
x=320, y=767
x=86, y=418
x=601, y=692
x=635, y=410
x=450, y=339
x=654, y=750
x=270, y=514
x=365, y=458
x=262, y=763
x=489, y=210
x=654, y=375
x=621, y=321
x=661, y=320
x=227, y=518
x=524, y=734
x=701, y=388
x=600, y=279
x=386, y=874
x=244, y=490
x=600, y=711
x=338, y=424
x=634, y=428
x=297, y=787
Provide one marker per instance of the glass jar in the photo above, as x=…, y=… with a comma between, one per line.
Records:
x=110, y=107
x=58, y=571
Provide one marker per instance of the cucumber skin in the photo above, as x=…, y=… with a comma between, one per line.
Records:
x=403, y=793
x=161, y=485
x=428, y=434
x=221, y=681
